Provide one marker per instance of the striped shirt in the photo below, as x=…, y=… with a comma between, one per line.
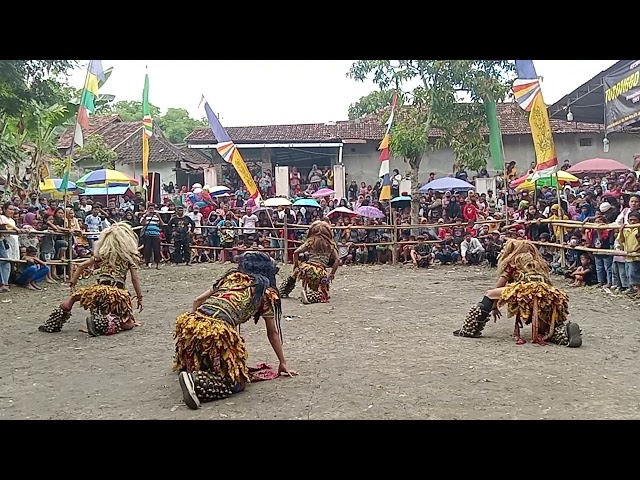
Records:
x=152, y=228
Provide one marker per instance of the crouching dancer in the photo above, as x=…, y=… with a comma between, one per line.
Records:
x=314, y=273
x=110, y=310
x=210, y=353
x=525, y=287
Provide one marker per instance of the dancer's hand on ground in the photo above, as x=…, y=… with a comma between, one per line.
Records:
x=283, y=370
x=139, y=301
x=496, y=314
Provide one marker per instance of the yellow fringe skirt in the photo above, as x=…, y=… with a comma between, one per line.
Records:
x=105, y=299
x=521, y=297
x=208, y=343
x=315, y=278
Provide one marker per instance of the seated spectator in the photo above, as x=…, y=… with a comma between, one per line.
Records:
x=31, y=273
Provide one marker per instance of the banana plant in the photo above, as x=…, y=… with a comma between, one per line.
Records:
x=42, y=124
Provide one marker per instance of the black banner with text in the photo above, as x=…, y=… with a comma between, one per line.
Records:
x=622, y=97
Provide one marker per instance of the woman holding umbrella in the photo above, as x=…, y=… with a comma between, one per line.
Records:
x=314, y=274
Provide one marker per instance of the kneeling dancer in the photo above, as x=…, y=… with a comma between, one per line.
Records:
x=313, y=273
x=524, y=285
x=110, y=311
x=210, y=353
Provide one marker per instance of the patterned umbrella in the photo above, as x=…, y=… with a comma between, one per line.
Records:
x=52, y=185
x=107, y=178
x=369, y=212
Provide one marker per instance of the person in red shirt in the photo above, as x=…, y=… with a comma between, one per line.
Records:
x=471, y=230
x=470, y=211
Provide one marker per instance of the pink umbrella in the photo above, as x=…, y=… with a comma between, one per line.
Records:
x=369, y=212
x=323, y=192
x=598, y=165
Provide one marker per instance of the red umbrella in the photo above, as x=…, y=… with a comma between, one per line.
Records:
x=598, y=165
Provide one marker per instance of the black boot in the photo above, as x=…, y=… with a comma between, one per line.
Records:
x=476, y=319
x=55, y=321
x=287, y=286
x=567, y=335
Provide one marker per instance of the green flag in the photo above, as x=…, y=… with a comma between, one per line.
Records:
x=495, y=136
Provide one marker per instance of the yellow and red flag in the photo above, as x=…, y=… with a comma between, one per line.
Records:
x=528, y=94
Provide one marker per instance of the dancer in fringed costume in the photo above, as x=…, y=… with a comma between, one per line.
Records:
x=314, y=273
x=210, y=353
x=524, y=285
x=115, y=255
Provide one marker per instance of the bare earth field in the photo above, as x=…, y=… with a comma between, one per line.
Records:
x=382, y=349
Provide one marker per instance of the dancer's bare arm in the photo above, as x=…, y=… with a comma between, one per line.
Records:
x=201, y=299
x=136, y=286
x=81, y=268
x=274, y=339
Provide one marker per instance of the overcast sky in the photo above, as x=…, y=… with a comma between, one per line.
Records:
x=271, y=92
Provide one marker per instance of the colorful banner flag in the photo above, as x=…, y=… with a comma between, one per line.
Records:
x=147, y=131
x=230, y=153
x=528, y=94
x=495, y=135
x=385, y=192
x=95, y=75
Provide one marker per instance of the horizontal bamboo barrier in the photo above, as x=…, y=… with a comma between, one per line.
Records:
x=287, y=245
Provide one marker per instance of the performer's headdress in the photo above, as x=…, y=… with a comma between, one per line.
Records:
x=119, y=242
x=319, y=237
x=524, y=257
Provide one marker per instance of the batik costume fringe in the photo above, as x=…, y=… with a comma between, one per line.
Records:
x=110, y=311
x=315, y=282
x=209, y=344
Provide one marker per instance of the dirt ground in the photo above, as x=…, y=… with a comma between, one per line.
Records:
x=382, y=349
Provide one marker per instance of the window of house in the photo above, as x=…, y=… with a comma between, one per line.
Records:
x=585, y=142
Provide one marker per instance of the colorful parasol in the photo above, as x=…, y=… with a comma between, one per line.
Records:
x=52, y=185
x=106, y=178
x=563, y=178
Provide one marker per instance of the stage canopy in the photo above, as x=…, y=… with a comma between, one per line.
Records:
x=587, y=101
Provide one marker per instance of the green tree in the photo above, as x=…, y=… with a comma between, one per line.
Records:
x=23, y=84
x=177, y=124
x=131, y=110
x=372, y=104
x=435, y=104
x=96, y=148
